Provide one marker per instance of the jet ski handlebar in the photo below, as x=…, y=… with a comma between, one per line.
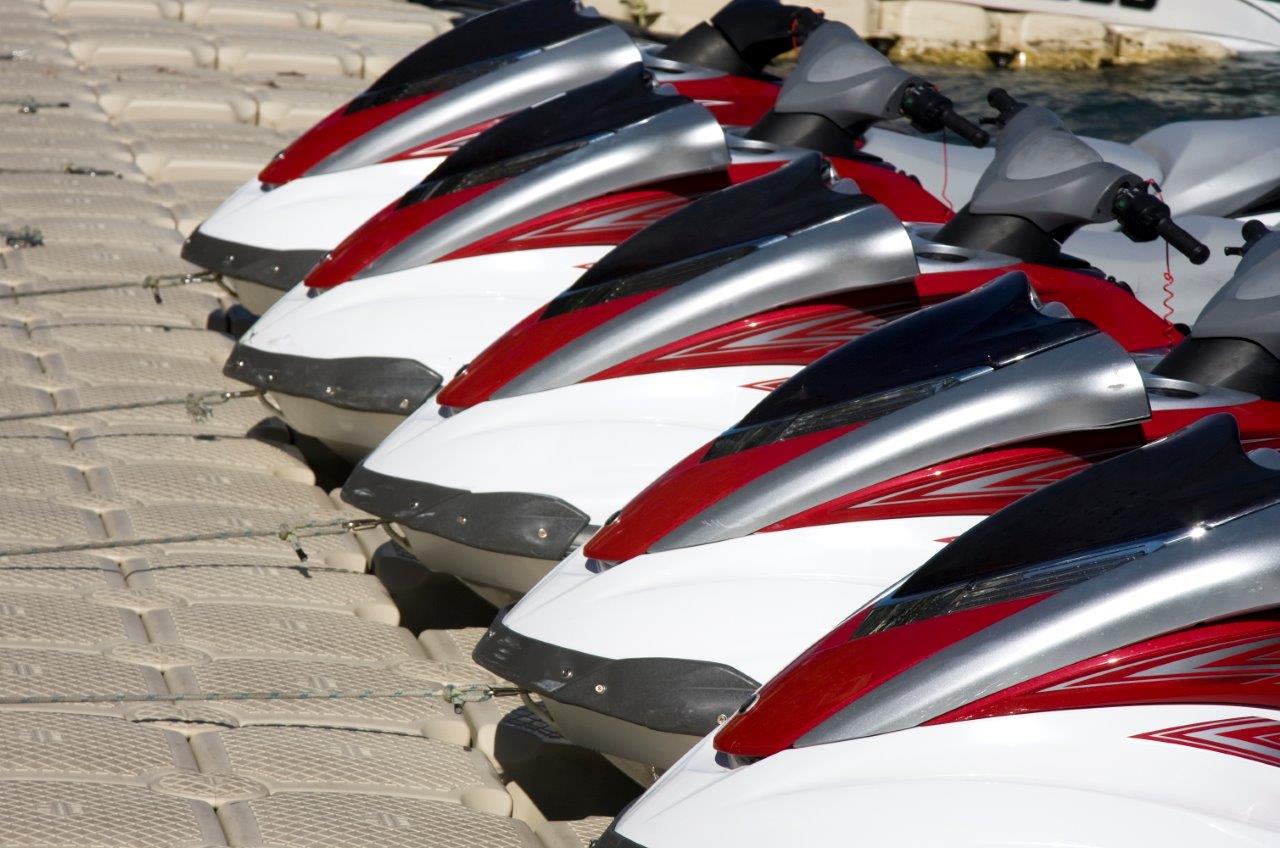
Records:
x=1005, y=104
x=1143, y=216
x=1252, y=232
x=930, y=110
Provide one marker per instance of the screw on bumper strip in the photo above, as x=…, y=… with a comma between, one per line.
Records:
x=516, y=523
x=361, y=383
x=661, y=693
x=277, y=269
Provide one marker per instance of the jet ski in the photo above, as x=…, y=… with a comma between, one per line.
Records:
x=882, y=451
x=370, y=151
x=514, y=217
x=391, y=136
x=668, y=340
x=1092, y=666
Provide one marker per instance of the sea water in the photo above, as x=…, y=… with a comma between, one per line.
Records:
x=1121, y=103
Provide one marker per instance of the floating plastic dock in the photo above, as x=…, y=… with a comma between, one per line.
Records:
x=171, y=673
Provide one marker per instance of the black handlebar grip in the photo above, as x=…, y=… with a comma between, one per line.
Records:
x=1254, y=230
x=963, y=127
x=1002, y=100
x=1183, y=242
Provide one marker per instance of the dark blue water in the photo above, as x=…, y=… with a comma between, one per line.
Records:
x=1123, y=103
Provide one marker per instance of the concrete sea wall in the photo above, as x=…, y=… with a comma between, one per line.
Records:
x=956, y=33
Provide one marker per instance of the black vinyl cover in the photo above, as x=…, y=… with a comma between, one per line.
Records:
x=277, y=269
x=744, y=36
x=991, y=326
x=517, y=523
x=612, y=839
x=762, y=30
x=1240, y=364
x=1199, y=475
x=665, y=694
x=715, y=230
x=363, y=383
x=478, y=46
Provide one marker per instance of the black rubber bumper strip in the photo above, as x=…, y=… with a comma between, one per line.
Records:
x=661, y=693
x=612, y=839
x=277, y=269
x=517, y=523
x=362, y=383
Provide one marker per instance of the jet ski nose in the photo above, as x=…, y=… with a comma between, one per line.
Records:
x=519, y=524
x=361, y=383
x=276, y=269
x=612, y=839
x=670, y=701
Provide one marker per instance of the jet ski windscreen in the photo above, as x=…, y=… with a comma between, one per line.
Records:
x=712, y=231
x=477, y=47
x=543, y=132
x=906, y=361
x=1065, y=533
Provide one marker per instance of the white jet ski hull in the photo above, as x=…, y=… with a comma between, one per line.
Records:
x=620, y=443
x=440, y=315
x=771, y=595
x=309, y=215
x=1093, y=778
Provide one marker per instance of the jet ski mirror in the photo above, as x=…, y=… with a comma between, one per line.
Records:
x=744, y=36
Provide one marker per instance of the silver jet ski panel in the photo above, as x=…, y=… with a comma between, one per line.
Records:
x=1089, y=382
x=1222, y=561
x=1248, y=306
x=860, y=249
x=842, y=78
x=1225, y=167
x=1168, y=394
x=681, y=141
x=524, y=82
x=936, y=257
x=1044, y=174
x=1235, y=342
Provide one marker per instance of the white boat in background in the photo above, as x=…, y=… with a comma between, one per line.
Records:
x=1242, y=25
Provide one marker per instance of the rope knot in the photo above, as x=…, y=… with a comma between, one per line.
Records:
x=465, y=693
x=200, y=405
x=24, y=237
x=155, y=282
x=289, y=535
